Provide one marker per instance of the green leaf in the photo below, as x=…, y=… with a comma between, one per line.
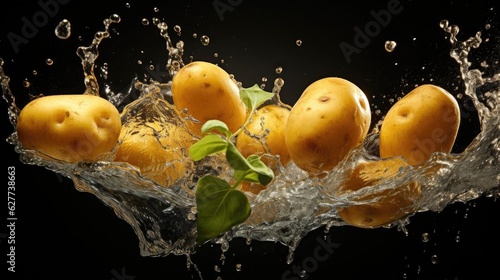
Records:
x=217, y=125
x=258, y=173
x=208, y=145
x=235, y=158
x=251, y=169
x=254, y=96
x=219, y=207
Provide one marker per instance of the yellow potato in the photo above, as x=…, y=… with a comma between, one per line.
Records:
x=208, y=92
x=331, y=117
x=157, y=149
x=391, y=204
x=265, y=134
x=423, y=122
x=75, y=127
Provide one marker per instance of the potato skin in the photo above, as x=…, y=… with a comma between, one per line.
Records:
x=156, y=148
x=72, y=128
x=392, y=204
x=208, y=92
x=331, y=117
x=423, y=122
x=272, y=118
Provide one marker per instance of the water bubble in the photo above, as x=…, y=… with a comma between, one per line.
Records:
x=457, y=238
x=434, y=259
x=390, y=46
x=156, y=9
x=217, y=268
x=298, y=42
x=195, y=35
x=238, y=267
x=205, y=40
x=63, y=29
x=487, y=26
x=264, y=79
x=145, y=21
x=216, y=55
x=127, y=5
x=425, y=237
x=26, y=83
x=139, y=62
x=279, y=69
x=34, y=72
x=49, y=61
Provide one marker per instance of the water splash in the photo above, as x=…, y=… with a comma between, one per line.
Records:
x=164, y=217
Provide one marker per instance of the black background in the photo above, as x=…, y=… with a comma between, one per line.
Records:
x=63, y=233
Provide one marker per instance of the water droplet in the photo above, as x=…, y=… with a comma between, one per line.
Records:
x=298, y=42
x=216, y=55
x=216, y=268
x=205, y=40
x=63, y=29
x=457, y=238
x=195, y=35
x=224, y=246
x=487, y=26
x=49, y=61
x=145, y=21
x=177, y=29
x=434, y=259
x=264, y=79
x=425, y=237
x=26, y=83
x=139, y=62
x=156, y=9
x=279, y=70
x=34, y=72
x=127, y=5
x=279, y=82
x=238, y=267
x=390, y=46
x=444, y=24
x=151, y=67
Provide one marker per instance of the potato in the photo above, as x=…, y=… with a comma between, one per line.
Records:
x=208, y=92
x=330, y=118
x=265, y=134
x=158, y=149
x=72, y=128
x=391, y=204
x=423, y=122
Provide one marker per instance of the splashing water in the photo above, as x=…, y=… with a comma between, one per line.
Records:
x=164, y=218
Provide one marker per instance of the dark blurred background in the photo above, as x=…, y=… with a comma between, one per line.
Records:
x=63, y=233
